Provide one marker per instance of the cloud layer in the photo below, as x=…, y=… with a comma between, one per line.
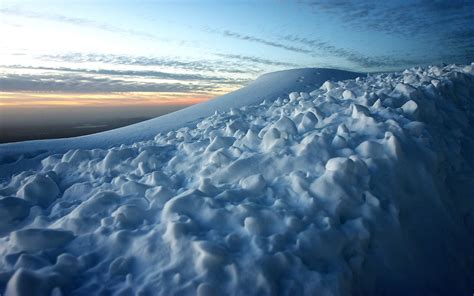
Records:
x=446, y=26
x=232, y=55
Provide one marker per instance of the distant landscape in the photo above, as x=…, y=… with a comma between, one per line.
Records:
x=45, y=131
x=26, y=124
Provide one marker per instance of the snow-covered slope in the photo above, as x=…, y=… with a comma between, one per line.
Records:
x=359, y=187
x=267, y=86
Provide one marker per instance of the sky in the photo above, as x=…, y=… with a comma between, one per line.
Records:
x=98, y=53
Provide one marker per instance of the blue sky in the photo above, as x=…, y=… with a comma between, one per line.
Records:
x=205, y=48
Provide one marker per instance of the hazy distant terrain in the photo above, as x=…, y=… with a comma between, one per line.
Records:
x=23, y=124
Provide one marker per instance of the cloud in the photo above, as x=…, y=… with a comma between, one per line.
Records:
x=444, y=27
x=220, y=66
x=140, y=74
x=435, y=23
x=83, y=22
x=250, y=38
x=397, y=16
x=86, y=83
x=315, y=48
x=257, y=60
x=108, y=75
x=353, y=56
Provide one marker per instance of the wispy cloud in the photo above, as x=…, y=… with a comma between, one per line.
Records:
x=86, y=83
x=83, y=22
x=110, y=73
x=324, y=48
x=140, y=74
x=259, y=40
x=258, y=60
x=401, y=17
x=355, y=13
x=221, y=66
x=317, y=48
x=445, y=26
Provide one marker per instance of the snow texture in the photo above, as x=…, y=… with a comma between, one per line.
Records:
x=345, y=187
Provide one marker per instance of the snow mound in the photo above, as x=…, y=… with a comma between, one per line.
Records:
x=351, y=187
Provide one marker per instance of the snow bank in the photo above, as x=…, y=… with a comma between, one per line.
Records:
x=357, y=187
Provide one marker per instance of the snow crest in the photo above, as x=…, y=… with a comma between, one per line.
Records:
x=359, y=187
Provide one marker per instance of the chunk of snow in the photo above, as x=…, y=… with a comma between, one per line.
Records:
x=39, y=190
x=305, y=96
x=406, y=90
x=370, y=149
x=285, y=124
x=359, y=111
x=33, y=239
x=339, y=163
x=27, y=282
x=220, y=142
x=254, y=183
x=328, y=85
x=348, y=94
x=308, y=122
x=410, y=108
x=294, y=96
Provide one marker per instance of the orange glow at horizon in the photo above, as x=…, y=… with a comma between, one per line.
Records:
x=63, y=99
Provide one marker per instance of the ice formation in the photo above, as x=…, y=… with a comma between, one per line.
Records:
x=358, y=187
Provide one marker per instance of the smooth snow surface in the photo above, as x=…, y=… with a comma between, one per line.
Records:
x=357, y=187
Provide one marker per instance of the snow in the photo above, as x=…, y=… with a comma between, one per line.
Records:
x=410, y=108
x=269, y=86
x=39, y=190
x=341, y=187
x=32, y=239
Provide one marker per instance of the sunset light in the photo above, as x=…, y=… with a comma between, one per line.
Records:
x=64, y=99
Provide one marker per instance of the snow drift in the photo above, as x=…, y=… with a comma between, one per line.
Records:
x=348, y=187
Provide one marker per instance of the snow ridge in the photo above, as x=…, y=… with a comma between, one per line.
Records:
x=359, y=187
